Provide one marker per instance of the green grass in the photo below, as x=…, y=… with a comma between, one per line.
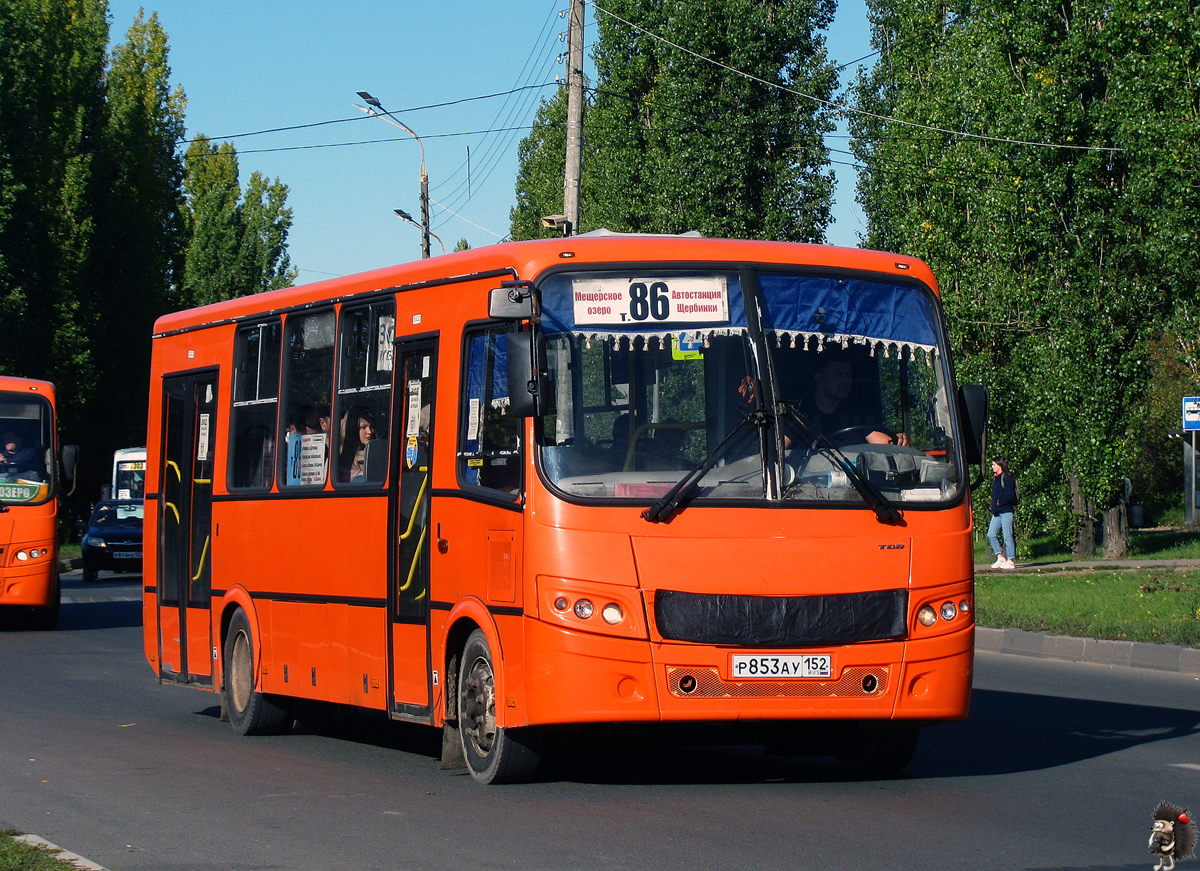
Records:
x=15, y=856
x=1161, y=605
x=1174, y=543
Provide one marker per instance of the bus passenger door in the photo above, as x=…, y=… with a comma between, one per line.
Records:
x=408, y=582
x=185, y=528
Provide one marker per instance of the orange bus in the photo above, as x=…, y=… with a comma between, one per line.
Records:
x=546, y=484
x=28, y=501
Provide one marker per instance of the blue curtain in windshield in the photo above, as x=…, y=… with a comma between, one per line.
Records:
x=808, y=307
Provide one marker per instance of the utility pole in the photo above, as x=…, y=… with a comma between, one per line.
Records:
x=425, y=234
x=571, y=177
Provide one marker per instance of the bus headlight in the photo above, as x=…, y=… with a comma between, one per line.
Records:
x=949, y=612
x=927, y=616
x=572, y=604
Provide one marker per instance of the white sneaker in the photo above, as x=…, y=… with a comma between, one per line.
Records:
x=999, y=563
x=1008, y=564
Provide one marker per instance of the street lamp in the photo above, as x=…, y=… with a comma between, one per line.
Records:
x=405, y=216
x=374, y=107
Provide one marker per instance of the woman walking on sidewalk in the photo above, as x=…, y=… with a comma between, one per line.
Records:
x=1004, y=501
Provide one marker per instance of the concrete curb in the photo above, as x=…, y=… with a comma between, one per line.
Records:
x=1131, y=654
x=59, y=853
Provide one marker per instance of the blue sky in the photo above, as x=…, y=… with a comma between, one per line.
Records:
x=257, y=65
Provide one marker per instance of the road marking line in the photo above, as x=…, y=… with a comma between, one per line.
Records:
x=1191, y=765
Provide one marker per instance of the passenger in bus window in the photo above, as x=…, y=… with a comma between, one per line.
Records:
x=15, y=458
x=831, y=409
x=360, y=429
x=620, y=439
x=298, y=419
x=664, y=450
x=317, y=419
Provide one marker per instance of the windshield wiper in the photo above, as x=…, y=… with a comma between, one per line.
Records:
x=673, y=498
x=885, y=511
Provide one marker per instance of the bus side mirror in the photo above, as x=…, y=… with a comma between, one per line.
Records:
x=528, y=384
x=973, y=408
x=510, y=303
x=69, y=462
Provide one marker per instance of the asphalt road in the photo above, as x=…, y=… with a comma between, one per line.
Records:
x=1059, y=766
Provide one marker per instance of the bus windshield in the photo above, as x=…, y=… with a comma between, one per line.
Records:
x=26, y=449
x=782, y=386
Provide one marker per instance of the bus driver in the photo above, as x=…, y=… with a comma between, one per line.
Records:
x=829, y=409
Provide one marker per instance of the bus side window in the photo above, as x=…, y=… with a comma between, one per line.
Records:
x=363, y=409
x=255, y=406
x=308, y=385
x=491, y=453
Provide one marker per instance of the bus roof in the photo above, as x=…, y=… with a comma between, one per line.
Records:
x=30, y=385
x=526, y=260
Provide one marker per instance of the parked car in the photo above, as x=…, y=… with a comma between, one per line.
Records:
x=113, y=540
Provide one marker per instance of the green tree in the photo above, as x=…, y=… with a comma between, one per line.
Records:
x=1058, y=264
x=266, y=220
x=135, y=202
x=235, y=247
x=212, y=268
x=51, y=114
x=541, y=158
x=696, y=122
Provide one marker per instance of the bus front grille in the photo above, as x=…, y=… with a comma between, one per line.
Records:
x=781, y=621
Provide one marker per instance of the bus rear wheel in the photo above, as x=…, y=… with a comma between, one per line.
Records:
x=250, y=712
x=493, y=754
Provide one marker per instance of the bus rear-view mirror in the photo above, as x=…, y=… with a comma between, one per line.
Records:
x=973, y=406
x=510, y=303
x=528, y=385
x=70, y=460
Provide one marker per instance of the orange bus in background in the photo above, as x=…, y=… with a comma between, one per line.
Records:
x=546, y=484
x=29, y=586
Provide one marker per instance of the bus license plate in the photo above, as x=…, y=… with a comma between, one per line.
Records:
x=129, y=555
x=745, y=666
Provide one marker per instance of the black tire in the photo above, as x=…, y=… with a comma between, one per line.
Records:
x=89, y=574
x=250, y=712
x=877, y=749
x=493, y=754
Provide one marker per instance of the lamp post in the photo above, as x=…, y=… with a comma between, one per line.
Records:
x=405, y=216
x=374, y=107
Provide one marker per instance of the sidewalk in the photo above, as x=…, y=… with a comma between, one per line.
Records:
x=1132, y=654
x=1077, y=565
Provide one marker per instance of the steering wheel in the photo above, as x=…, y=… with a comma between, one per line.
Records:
x=862, y=429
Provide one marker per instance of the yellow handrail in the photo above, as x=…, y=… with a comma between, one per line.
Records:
x=203, y=554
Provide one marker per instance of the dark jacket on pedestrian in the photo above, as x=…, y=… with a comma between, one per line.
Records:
x=1004, y=494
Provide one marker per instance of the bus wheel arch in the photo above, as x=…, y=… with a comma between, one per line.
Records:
x=493, y=753
x=250, y=711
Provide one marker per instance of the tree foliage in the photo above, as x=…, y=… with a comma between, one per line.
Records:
x=695, y=122
x=96, y=228
x=1063, y=238
x=236, y=246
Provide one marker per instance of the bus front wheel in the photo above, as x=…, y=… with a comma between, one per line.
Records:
x=250, y=712
x=493, y=754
